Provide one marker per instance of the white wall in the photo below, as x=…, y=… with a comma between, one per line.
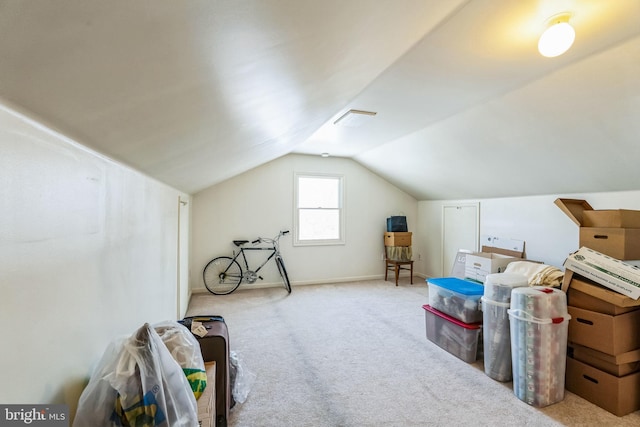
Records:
x=88, y=252
x=549, y=234
x=260, y=202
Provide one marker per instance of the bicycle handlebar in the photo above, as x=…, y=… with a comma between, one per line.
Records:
x=266, y=240
x=282, y=233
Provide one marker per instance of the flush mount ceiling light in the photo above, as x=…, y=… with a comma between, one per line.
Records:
x=354, y=118
x=558, y=37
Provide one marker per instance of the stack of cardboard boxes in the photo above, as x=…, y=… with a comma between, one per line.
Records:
x=603, y=287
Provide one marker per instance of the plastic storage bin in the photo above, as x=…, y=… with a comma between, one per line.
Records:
x=496, y=328
x=458, y=298
x=539, y=326
x=450, y=334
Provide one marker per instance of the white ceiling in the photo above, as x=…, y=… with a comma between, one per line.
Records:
x=195, y=92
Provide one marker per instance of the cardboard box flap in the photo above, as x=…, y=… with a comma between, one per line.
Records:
x=628, y=357
x=574, y=209
x=614, y=218
x=502, y=246
x=592, y=288
x=500, y=251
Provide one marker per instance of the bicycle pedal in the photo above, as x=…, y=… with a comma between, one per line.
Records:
x=260, y=277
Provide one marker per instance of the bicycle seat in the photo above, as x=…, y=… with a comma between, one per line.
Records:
x=240, y=242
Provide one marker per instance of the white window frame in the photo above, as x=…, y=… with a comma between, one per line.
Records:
x=319, y=242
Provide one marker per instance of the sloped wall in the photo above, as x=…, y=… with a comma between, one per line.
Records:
x=88, y=252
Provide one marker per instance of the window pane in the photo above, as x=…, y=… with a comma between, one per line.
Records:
x=318, y=224
x=318, y=192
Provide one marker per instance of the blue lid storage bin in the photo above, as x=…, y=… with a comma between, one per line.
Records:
x=458, y=298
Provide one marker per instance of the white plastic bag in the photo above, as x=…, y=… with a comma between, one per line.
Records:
x=137, y=383
x=185, y=349
x=242, y=379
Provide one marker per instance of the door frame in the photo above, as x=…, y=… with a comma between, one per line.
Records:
x=182, y=280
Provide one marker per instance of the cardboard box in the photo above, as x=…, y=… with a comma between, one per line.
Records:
x=397, y=239
x=620, y=365
x=618, y=395
x=479, y=264
x=609, y=334
x=612, y=232
x=582, y=300
x=206, y=402
x=604, y=270
x=587, y=294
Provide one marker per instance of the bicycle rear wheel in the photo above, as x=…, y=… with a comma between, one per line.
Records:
x=222, y=275
x=283, y=273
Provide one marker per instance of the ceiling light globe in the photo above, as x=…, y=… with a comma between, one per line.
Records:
x=556, y=40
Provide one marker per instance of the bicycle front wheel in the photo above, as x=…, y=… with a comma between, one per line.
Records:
x=222, y=275
x=283, y=273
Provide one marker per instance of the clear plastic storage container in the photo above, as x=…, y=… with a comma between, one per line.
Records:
x=539, y=326
x=456, y=337
x=458, y=298
x=496, y=328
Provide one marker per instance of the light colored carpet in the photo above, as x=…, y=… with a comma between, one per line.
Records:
x=356, y=354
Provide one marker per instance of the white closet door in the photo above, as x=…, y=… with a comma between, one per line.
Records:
x=460, y=230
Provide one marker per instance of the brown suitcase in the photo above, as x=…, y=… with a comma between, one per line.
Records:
x=215, y=347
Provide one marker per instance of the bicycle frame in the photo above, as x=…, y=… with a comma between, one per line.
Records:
x=273, y=250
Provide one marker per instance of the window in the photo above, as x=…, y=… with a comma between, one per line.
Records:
x=319, y=215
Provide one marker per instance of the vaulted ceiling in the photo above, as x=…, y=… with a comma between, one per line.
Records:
x=194, y=92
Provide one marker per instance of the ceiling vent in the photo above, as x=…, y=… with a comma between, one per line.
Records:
x=354, y=118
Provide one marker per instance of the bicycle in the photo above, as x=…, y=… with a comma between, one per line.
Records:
x=223, y=275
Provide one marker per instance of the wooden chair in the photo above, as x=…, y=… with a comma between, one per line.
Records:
x=397, y=266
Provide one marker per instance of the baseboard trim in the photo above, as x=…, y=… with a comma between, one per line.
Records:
x=203, y=290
